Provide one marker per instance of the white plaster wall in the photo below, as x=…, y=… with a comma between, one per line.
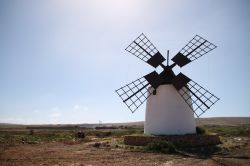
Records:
x=168, y=114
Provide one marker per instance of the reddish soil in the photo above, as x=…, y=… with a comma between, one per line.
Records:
x=85, y=154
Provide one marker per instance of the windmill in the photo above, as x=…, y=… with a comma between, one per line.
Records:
x=172, y=100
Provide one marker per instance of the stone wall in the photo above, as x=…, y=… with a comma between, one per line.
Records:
x=178, y=140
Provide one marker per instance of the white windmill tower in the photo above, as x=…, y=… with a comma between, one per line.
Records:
x=172, y=100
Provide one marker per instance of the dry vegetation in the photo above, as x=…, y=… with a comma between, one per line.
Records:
x=58, y=145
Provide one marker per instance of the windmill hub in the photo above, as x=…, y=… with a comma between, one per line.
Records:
x=176, y=98
x=167, y=75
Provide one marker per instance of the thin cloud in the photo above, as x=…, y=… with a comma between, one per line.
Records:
x=55, y=114
x=76, y=107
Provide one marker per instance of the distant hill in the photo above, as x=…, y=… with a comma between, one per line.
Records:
x=221, y=121
x=9, y=125
x=224, y=121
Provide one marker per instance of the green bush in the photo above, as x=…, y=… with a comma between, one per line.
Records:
x=17, y=137
x=122, y=132
x=230, y=130
x=161, y=146
x=200, y=130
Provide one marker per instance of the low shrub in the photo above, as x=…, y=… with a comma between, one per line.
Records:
x=200, y=130
x=31, y=132
x=79, y=135
x=230, y=130
x=161, y=146
x=122, y=132
x=103, y=134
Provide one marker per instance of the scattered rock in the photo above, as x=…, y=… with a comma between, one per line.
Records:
x=97, y=145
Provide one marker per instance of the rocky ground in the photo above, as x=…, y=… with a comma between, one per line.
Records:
x=108, y=152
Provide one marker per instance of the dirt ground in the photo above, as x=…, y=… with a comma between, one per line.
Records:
x=82, y=154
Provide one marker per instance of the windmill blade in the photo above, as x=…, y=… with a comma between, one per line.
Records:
x=193, y=50
x=135, y=93
x=198, y=98
x=142, y=48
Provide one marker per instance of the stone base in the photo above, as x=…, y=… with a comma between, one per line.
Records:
x=178, y=140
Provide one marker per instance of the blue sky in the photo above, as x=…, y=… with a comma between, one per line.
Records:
x=61, y=61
